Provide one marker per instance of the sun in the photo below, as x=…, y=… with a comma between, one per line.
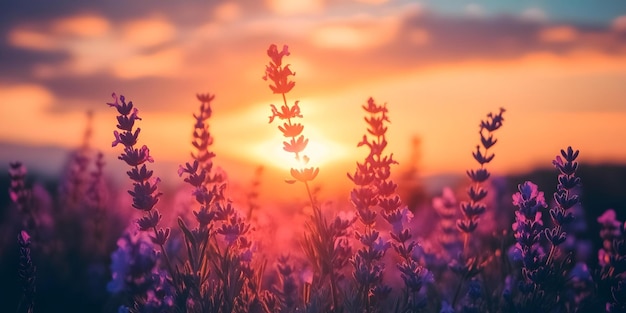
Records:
x=321, y=150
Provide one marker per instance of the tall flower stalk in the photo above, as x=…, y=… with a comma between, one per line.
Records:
x=296, y=142
x=468, y=266
x=376, y=189
x=611, y=280
x=224, y=265
x=144, y=192
x=96, y=199
x=323, y=241
x=22, y=197
x=446, y=207
x=528, y=229
x=74, y=186
x=475, y=208
x=544, y=277
x=564, y=198
x=26, y=272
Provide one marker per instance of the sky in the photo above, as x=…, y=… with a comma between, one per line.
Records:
x=558, y=67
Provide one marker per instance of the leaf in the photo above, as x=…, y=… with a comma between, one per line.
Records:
x=190, y=241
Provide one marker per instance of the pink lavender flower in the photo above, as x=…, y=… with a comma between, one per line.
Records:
x=374, y=188
x=528, y=227
x=276, y=72
x=446, y=207
x=612, y=261
x=297, y=142
x=203, y=140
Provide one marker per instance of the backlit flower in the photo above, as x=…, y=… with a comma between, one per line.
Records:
x=305, y=174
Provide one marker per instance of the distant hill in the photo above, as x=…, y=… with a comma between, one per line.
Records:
x=43, y=160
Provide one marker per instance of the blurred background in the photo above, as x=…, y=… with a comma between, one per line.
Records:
x=558, y=67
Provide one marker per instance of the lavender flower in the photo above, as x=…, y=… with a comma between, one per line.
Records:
x=545, y=277
x=611, y=283
x=144, y=192
x=475, y=208
x=610, y=230
x=367, y=262
x=446, y=208
x=26, y=272
x=323, y=242
x=564, y=197
x=76, y=176
x=96, y=194
x=279, y=75
x=135, y=271
x=287, y=289
x=375, y=188
x=22, y=197
x=527, y=230
x=217, y=273
x=203, y=140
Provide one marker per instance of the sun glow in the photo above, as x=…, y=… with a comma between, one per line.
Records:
x=320, y=151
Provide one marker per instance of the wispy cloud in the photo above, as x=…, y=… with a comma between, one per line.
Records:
x=93, y=46
x=619, y=23
x=534, y=15
x=558, y=34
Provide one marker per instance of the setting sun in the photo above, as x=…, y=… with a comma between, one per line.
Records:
x=320, y=151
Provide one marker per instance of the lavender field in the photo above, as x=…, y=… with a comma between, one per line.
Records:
x=548, y=241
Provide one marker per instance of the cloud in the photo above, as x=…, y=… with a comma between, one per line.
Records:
x=147, y=32
x=418, y=37
x=535, y=15
x=358, y=32
x=163, y=63
x=81, y=26
x=227, y=11
x=374, y=2
x=27, y=38
x=94, y=46
x=558, y=34
x=474, y=10
x=27, y=117
x=619, y=23
x=290, y=7
x=331, y=51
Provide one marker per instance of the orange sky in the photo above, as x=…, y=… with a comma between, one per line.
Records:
x=564, y=86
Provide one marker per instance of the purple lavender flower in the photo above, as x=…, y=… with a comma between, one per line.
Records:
x=528, y=227
x=144, y=191
x=564, y=197
x=288, y=288
x=131, y=264
x=135, y=271
x=26, y=272
x=374, y=188
x=474, y=209
x=22, y=197
x=446, y=207
x=612, y=261
x=610, y=229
